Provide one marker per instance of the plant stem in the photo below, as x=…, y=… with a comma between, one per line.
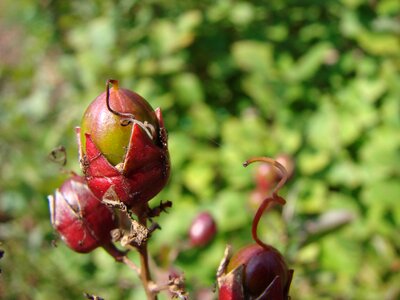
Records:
x=121, y=257
x=130, y=264
x=145, y=275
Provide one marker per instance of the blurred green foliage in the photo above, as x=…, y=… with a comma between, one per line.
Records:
x=318, y=80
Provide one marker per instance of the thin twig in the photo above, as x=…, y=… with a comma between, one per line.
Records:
x=269, y=200
x=131, y=264
x=145, y=274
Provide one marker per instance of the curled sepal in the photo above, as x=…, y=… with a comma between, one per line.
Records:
x=274, y=289
x=163, y=136
x=142, y=153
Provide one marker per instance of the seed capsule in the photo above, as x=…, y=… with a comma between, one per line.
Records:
x=263, y=268
x=83, y=222
x=202, y=230
x=123, y=147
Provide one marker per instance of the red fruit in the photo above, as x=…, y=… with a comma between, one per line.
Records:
x=257, y=271
x=83, y=222
x=202, y=230
x=262, y=267
x=123, y=146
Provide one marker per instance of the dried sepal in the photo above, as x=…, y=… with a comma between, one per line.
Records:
x=231, y=285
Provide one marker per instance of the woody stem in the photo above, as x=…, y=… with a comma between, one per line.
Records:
x=145, y=274
x=121, y=256
x=269, y=200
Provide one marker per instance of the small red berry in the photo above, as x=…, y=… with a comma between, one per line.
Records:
x=202, y=230
x=257, y=271
x=83, y=222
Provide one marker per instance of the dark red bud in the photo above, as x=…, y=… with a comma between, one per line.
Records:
x=83, y=222
x=202, y=230
x=265, y=272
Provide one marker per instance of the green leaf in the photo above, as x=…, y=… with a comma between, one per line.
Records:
x=253, y=56
x=198, y=177
x=229, y=211
x=309, y=63
x=188, y=88
x=379, y=43
x=382, y=193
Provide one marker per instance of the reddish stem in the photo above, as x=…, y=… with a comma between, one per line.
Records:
x=274, y=163
x=120, y=256
x=264, y=205
x=145, y=274
x=256, y=220
x=269, y=200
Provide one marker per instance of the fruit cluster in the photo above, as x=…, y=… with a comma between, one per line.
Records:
x=125, y=163
x=257, y=271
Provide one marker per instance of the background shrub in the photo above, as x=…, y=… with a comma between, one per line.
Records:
x=318, y=80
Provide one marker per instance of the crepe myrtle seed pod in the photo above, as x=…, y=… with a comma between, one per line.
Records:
x=265, y=274
x=123, y=147
x=257, y=271
x=82, y=220
x=202, y=230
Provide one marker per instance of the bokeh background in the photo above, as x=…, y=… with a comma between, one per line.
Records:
x=317, y=80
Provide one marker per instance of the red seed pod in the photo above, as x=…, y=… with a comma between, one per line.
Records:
x=257, y=271
x=83, y=222
x=202, y=230
x=265, y=272
x=123, y=147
